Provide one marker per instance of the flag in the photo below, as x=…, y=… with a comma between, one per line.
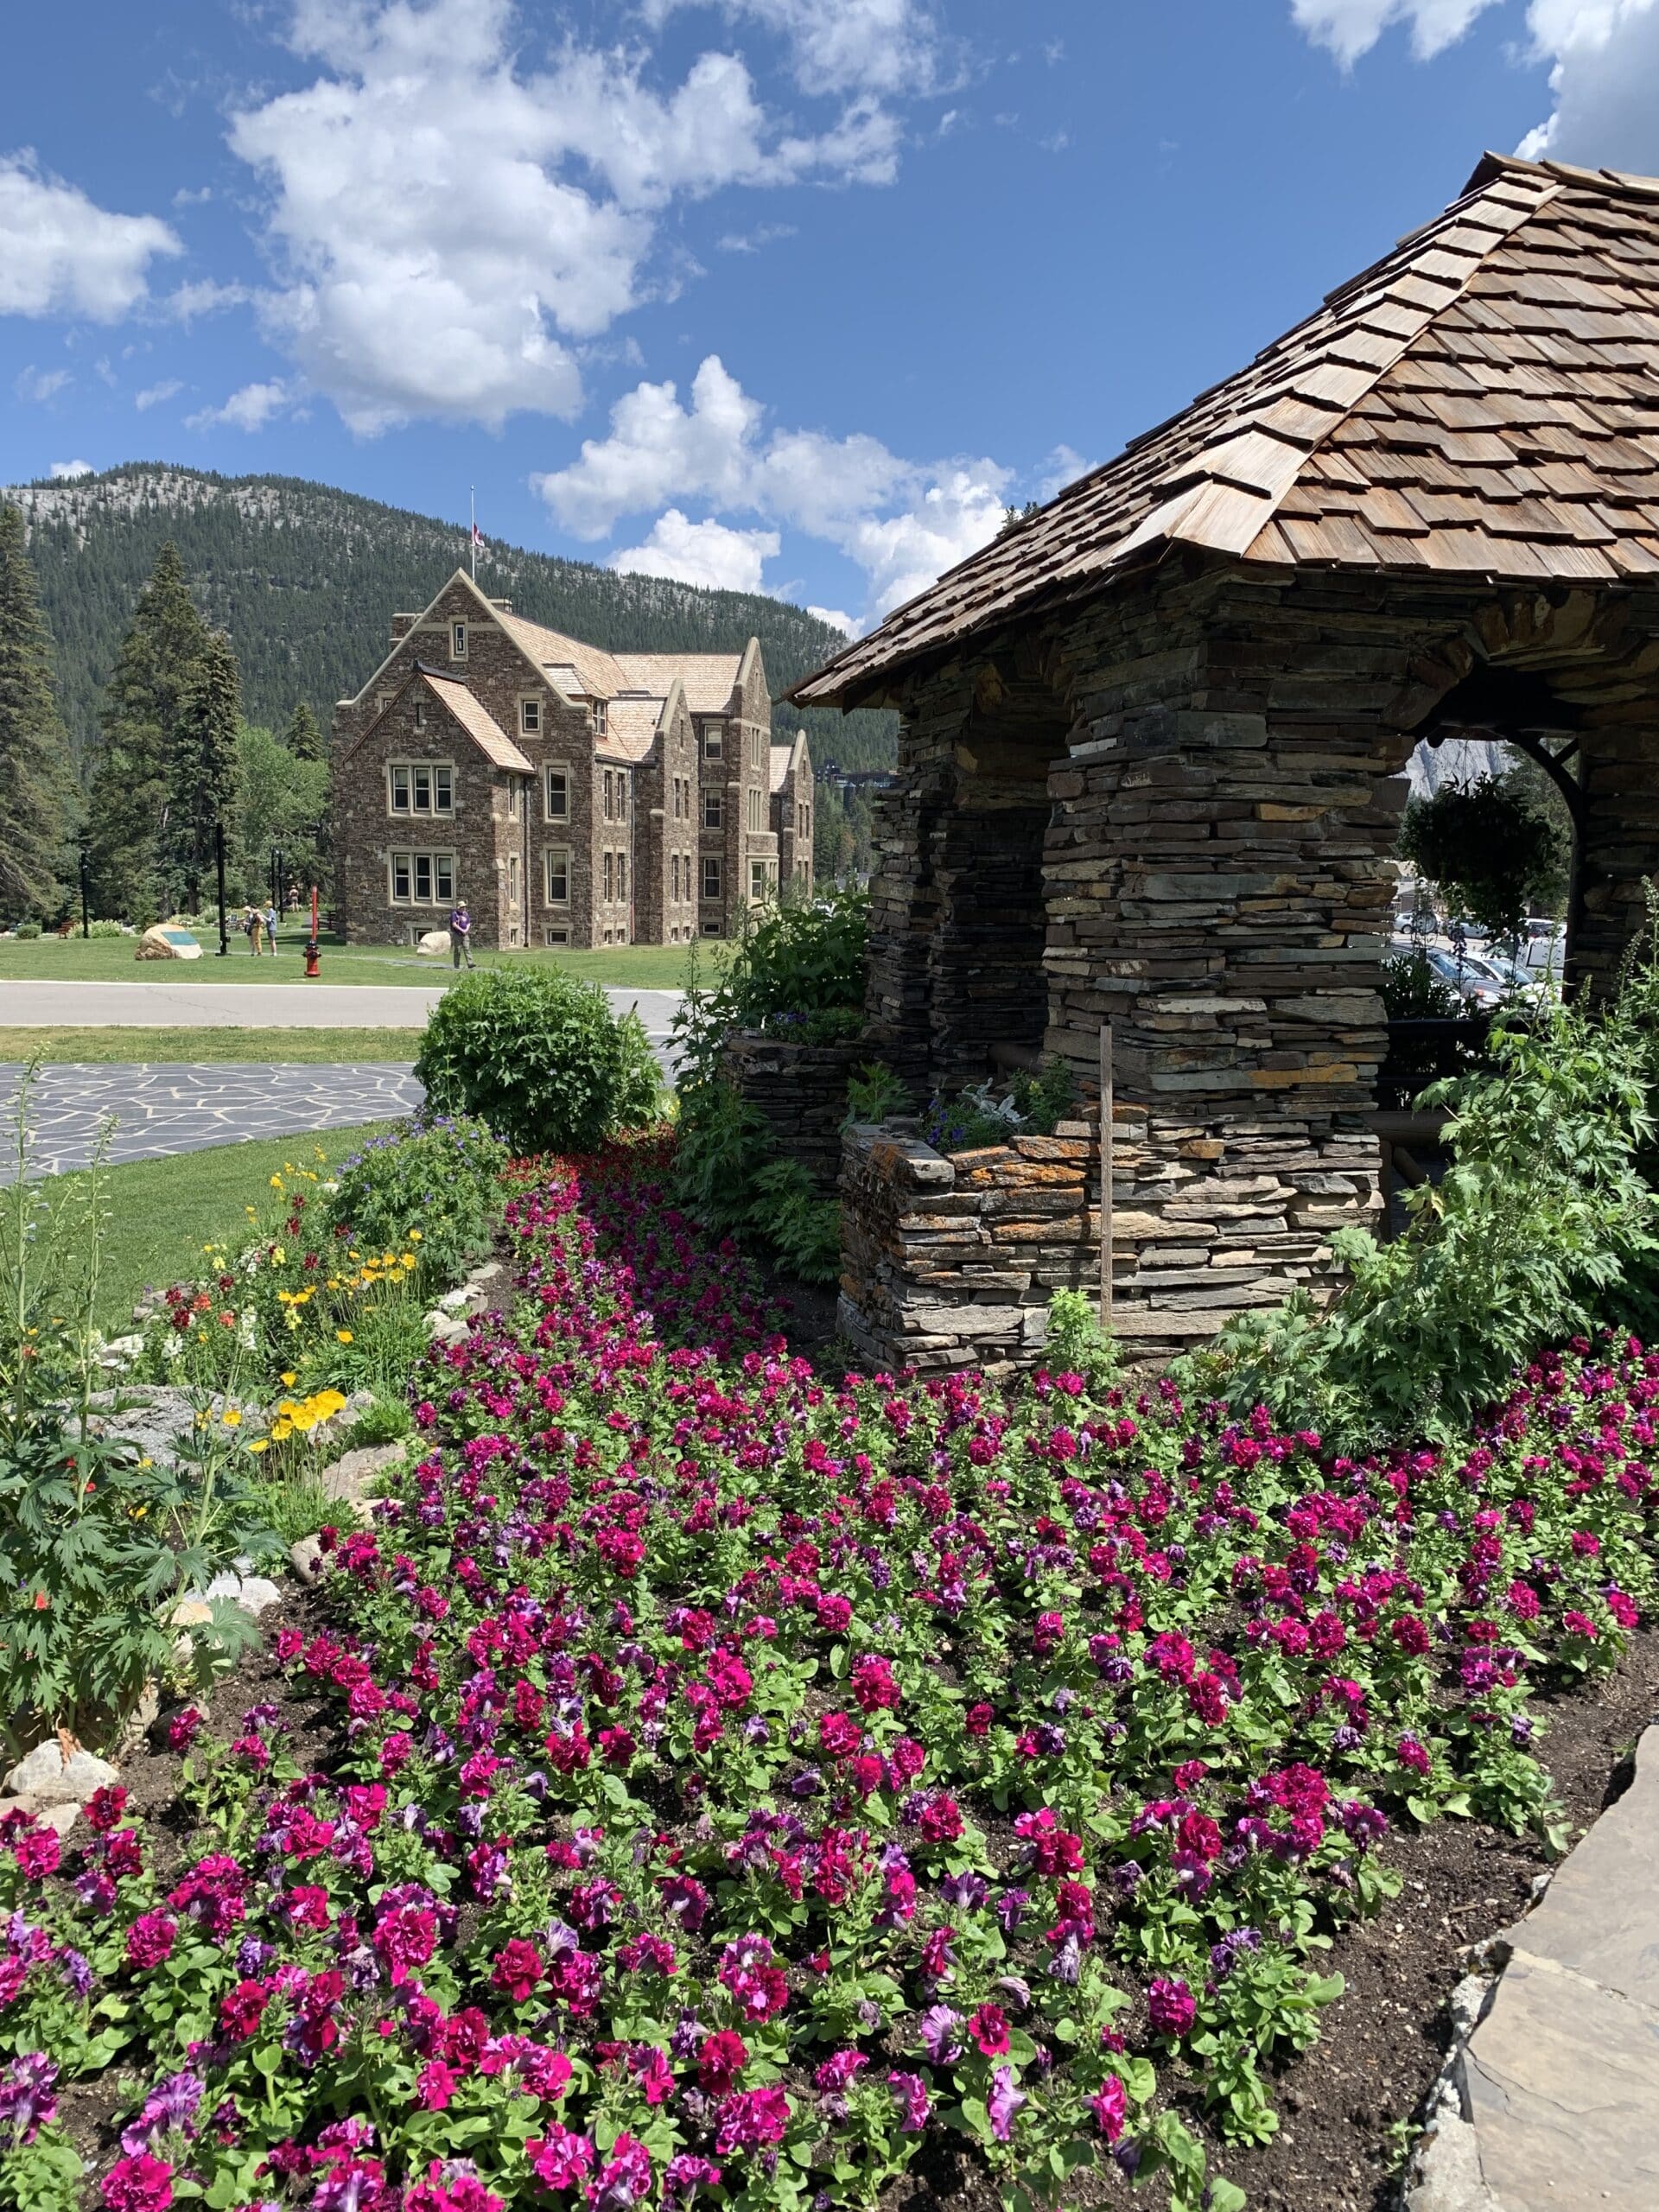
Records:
x=478, y=536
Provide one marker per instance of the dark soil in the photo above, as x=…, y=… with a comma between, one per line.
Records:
x=1383, y=2041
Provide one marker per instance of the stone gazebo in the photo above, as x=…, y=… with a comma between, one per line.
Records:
x=1151, y=755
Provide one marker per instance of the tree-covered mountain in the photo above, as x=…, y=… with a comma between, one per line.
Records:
x=304, y=578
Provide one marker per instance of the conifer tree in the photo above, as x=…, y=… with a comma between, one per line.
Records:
x=133, y=792
x=36, y=793
x=203, y=771
x=303, y=736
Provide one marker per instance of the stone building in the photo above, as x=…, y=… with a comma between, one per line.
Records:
x=570, y=795
x=1151, y=755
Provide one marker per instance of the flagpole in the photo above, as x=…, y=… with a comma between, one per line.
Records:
x=471, y=500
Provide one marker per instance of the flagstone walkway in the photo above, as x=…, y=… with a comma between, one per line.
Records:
x=183, y=1107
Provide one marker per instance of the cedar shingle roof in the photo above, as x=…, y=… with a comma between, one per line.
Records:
x=1482, y=401
x=597, y=673
x=708, y=678
x=479, y=723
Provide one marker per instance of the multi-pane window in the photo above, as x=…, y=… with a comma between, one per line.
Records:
x=512, y=878
x=621, y=875
x=757, y=881
x=422, y=879
x=608, y=875
x=529, y=717
x=556, y=795
x=711, y=877
x=598, y=713
x=608, y=799
x=422, y=787
x=712, y=741
x=557, y=873
x=513, y=798
x=458, y=641
x=674, y=877
x=711, y=810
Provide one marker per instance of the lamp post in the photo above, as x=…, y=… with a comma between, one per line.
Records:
x=85, y=920
x=219, y=864
x=311, y=947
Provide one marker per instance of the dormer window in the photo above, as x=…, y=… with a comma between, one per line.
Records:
x=598, y=713
x=457, y=641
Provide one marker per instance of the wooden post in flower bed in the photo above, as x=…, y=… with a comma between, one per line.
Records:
x=1105, y=1177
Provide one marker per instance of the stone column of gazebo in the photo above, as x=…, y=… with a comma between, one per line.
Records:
x=1151, y=765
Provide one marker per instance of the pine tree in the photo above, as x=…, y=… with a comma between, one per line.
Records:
x=156, y=670
x=303, y=736
x=202, y=772
x=36, y=794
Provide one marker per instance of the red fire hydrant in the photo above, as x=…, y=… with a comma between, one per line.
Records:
x=311, y=946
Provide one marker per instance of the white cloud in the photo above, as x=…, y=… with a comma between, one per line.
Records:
x=449, y=225
x=702, y=553
x=1603, y=57
x=844, y=46
x=64, y=472
x=251, y=409
x=59, y=254
x=39, y=385
x=752, y=241
x=1062, y=466
x=1352, y=28
x=154, y=394
x=899, y=522
x=187, y=302
x=836, y=620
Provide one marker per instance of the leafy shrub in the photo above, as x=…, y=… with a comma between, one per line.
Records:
x=1543, y=1225
x=641, y=1093
x=28, y=929
x=1077, y=1341
x=875, y=1094
x=104, y=928
x=536, y=1054
x=97, y=1543
x=802, y=1228
x=1030, y=1105
x=438, y=1176
x=1412, y=992
x=1490, y=847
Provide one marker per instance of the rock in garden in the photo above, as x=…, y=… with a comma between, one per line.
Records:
x=251, y=1592
x=306, y=1557
x=45, y=1776
x=349, y=1477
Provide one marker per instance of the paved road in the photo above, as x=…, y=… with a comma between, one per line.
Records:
x=158, y=1110
x=179, y=1004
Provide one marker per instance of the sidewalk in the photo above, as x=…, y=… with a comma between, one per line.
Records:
x=179, y=1003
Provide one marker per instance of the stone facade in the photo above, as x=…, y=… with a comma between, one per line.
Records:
x=563, y=791
x=1170, y=810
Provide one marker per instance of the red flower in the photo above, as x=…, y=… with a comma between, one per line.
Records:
x=989, y=2030
x=517, y=1969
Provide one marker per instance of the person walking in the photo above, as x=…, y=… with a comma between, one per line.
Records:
x=271, y=930
x=461, y=931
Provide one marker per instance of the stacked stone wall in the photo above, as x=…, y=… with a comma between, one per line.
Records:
x=800, y=1090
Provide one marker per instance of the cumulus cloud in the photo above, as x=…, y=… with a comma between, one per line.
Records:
x=250, y=409
x=448, y=225
x=187, y=302
x=154, y=394
x=901, y=522
x=64, y=472
x=1352, y=28
x=701, y=553
x=869, y=47
x=60, y=254
x=1603, y=58
x=836, y=620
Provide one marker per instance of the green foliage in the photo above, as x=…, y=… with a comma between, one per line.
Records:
x=96, y=1543
x=202, y=769
x=281, y=799
x=1543, y=1225
x=28, y=931
x=1491, y=848
x=303, y=737
x=38, y=801
x=533, y=1052
x=802, y=1228
x=303, y=577
x=1028, y=1105
x=798, y=963
x=641, y=1093
x=1077, y=1341
x=875, y=1094
x=144, y=749
x=1412, y=992
x=722, y=1145
x=438, y=1176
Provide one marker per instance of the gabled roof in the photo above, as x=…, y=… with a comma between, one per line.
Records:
x=709, y=678
x=479, y=723
x=631, y=726
x=597, y=676
x=1482, y=401
x=784, y=758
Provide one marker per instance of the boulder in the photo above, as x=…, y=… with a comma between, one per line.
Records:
x=349, y=1478
x=44, y=1776
x=434, y=945
x=164, y=942
x=307, y=1557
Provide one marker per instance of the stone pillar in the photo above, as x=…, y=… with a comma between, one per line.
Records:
x=1619, y=848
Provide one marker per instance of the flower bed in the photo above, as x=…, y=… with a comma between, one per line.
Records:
x=738, y=1787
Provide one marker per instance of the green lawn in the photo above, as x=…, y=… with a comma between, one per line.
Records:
x=109, y=960
x=334, y=1047
x=161, y=1212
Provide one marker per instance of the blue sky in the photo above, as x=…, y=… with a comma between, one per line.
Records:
x=787, y=294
